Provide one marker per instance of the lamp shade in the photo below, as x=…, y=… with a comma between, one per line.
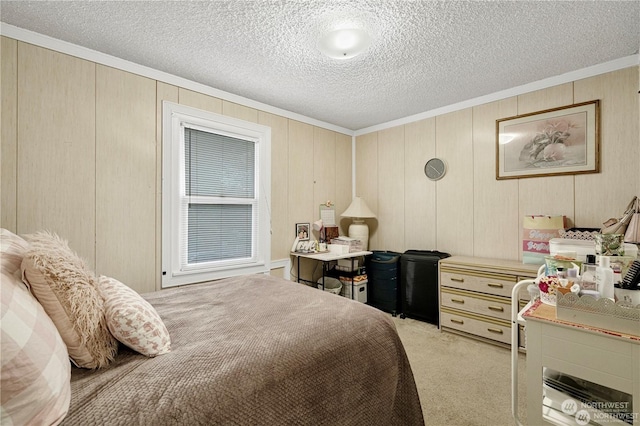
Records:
x=358, y=208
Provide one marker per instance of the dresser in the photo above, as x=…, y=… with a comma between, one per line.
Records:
x=475, y=296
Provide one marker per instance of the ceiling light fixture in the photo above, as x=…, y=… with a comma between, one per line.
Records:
x=344, y=43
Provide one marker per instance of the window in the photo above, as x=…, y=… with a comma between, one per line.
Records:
x=215, y=196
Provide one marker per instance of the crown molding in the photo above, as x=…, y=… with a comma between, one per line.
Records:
x=617, y=64
x=112, y=61
x=71, y=49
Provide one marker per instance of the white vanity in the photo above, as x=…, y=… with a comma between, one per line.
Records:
x=562, y=354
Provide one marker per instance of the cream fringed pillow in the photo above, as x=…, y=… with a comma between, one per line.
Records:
x=132, y=320
x=68, y=291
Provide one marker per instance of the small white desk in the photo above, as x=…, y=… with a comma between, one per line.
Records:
x=602, y=357
x=325, y=258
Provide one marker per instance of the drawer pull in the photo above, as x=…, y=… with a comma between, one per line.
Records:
x=457, y=301
x=495, y=330
x=496, y=308
x=458, y=280
x=457, y=321
x=496, y=285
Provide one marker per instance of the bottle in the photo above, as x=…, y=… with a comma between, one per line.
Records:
x=617, y=273
x=561, y=272
x=604, y=278
x=572, y=276
x=588, y=274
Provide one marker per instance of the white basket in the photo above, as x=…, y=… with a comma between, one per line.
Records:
x=601, y=313
x=332, y=285
x=548, y=299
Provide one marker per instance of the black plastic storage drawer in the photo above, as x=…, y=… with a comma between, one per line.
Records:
x=383, y=276
x=419, y=284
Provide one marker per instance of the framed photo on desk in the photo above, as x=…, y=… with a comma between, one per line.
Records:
x=302, y=231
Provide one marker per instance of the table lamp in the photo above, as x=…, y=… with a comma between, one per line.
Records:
x=318, y=225
x=358, y=210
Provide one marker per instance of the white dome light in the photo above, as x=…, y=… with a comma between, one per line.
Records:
x=344, y=43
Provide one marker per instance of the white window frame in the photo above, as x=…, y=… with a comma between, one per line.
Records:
x=175, y=270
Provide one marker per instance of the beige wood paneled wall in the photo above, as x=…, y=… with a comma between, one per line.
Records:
x=56, y=140
x=125, y=176
x=82, y=154
x=420, y=143
x=8, y=132
x=469, y=212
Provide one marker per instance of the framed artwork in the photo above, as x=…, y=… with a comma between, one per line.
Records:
x=302, y=231
x=558, y=141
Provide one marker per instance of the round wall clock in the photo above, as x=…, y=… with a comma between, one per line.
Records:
x=435, y=169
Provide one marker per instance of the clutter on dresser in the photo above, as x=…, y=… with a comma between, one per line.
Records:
x=599, y=268
x=592, y=297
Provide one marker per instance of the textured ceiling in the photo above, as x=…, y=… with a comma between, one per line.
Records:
x=424, y=54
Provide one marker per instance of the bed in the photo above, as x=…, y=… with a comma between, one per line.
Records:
x=248, y=350
x=256, y=350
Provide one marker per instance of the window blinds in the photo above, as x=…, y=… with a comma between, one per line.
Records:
x=220, y=197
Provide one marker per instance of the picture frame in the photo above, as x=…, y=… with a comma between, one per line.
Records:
x=552, y=142
x=302, y=231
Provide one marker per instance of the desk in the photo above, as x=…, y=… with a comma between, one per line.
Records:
x=598, y=356
x=326, y=258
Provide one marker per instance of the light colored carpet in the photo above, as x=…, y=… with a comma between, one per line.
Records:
x=461, y=381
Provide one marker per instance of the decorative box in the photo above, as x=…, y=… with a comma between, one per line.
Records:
x=359, y=289
x=338, y=248
x=353, y=244
x=331, y=232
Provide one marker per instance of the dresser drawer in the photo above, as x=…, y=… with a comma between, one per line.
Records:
x=495, y=330
x=491, y=306
x=497, y=284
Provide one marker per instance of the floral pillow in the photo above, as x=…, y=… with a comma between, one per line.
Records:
x=132, y=320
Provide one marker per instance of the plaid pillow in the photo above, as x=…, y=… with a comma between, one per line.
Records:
x=13, y=249
x=36, y=373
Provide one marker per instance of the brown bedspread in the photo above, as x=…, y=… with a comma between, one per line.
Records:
x=256, y=350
